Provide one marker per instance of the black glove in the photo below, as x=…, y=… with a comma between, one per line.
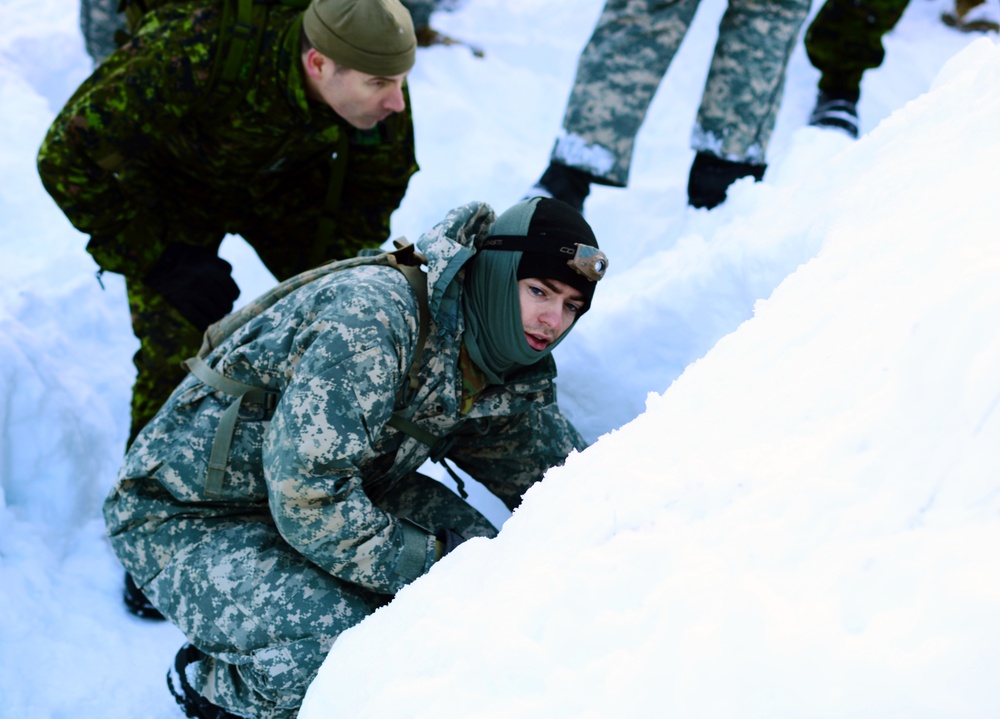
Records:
x=196, y=282
x=447, y=540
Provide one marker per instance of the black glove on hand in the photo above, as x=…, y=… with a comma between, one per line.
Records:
x=196, y=282
x=447, y=540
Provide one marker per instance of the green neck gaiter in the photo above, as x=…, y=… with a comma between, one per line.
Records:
x=494, y=332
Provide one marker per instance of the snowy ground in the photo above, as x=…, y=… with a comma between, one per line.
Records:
x=804, y=525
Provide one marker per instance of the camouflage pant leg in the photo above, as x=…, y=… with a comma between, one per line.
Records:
x=265, y=616
x=616, y=77
x=433, y=506
x=845, y=39
x=165, y=340
x=420, y=11
x=99, y=21
x=747, y=77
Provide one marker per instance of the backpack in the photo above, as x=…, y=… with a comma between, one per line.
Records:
x=407, y=260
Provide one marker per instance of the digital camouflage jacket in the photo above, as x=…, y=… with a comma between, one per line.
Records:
x=336, y=351
x=144, y=154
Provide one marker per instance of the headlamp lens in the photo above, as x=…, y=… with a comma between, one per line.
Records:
x=590, y=262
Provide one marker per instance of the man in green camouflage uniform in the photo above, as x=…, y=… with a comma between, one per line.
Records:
x=321, y=516
x=157, y=164
x=622, y=66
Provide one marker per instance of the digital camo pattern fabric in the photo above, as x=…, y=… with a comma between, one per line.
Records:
x=99, y=21
x=628, y=54
x=142, y=156
x=322, y=516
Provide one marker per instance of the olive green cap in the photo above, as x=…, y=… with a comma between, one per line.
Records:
x=372, y=36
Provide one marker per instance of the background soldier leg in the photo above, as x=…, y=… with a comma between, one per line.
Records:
x=742, y=95
x=165, y=340
x=845, y=39
x=616, y=77
x=99, y=21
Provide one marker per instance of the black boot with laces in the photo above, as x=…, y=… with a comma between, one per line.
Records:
x=838, y=110
x=194, y=704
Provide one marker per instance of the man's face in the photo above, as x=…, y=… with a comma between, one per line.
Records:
x=362, y=100
x=548, y=309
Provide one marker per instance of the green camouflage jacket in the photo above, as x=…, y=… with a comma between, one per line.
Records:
x=337, y=352
x=143, y=151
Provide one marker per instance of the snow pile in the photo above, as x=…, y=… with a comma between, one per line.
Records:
x=805, y=524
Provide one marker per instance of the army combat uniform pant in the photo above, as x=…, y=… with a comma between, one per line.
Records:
x=627, y=57
x=99, y=21
x=263, y=614
x=845, y=39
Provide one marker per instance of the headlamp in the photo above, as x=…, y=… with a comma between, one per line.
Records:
x=588, y=261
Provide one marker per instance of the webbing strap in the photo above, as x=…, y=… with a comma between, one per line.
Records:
x=418, y=281
x=221, y=445
x=219, y=458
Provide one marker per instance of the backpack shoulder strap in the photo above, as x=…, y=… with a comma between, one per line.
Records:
x=237, y=50
x=404, y=258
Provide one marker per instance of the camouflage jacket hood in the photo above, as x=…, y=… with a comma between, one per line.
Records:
x=336, y=352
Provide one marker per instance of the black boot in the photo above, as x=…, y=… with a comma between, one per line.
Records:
x=838, y=110
x=190, y=701
x=565, y=183
x=138, y=603
x=711, y=176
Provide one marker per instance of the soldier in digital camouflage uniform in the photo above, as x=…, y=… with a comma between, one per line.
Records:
x=622, y=66
x=157, y=168
x=321, y=517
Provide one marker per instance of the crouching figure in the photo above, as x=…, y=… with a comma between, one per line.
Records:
x=274, y=501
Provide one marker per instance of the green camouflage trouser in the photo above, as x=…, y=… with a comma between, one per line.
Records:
x=845, y=39
x=627, y=57
x=266, y=616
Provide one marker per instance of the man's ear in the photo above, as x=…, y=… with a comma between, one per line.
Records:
x=314, y=62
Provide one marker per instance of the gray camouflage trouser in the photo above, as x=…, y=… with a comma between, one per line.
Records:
x=99, y=21
x=266, y=616
x=627, y=57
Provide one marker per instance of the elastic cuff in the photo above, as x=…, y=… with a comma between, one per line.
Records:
x=417, y=554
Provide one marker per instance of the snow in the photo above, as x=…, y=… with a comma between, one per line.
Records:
x=791, y=507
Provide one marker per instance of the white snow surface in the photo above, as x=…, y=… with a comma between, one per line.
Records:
x=791, y=508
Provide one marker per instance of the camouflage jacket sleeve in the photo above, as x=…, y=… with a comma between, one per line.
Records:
x=128, y=104
x=517, y=450
x=380, y=164
x=322, y=433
